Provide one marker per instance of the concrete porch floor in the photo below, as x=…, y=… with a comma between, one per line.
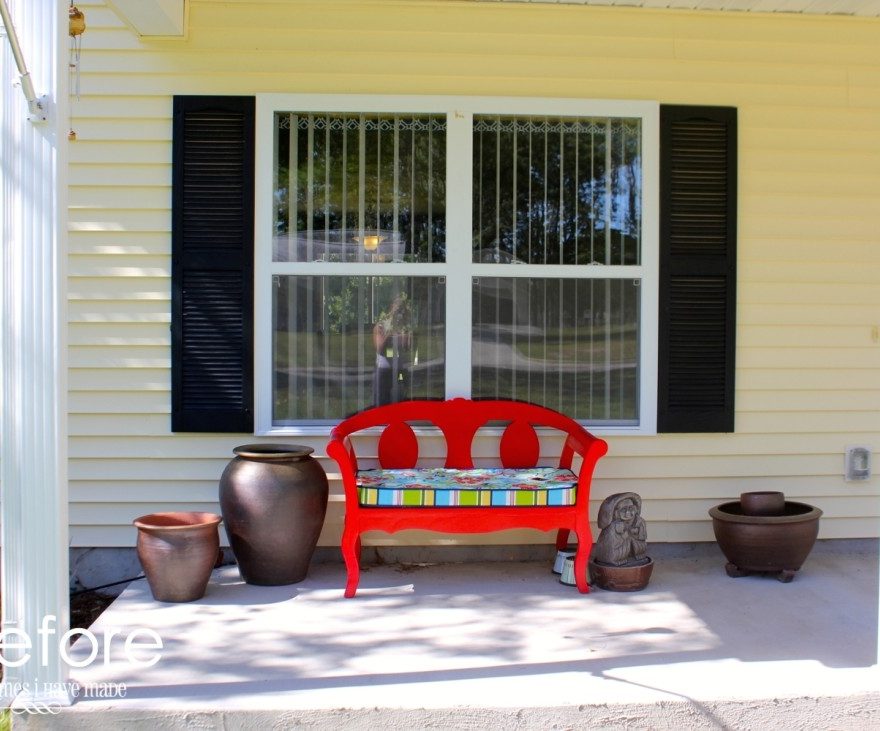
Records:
x=504, y=645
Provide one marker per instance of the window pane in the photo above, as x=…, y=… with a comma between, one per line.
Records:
x=552, y=190
x=341, y=344
x=570, y=344
x=359, y=187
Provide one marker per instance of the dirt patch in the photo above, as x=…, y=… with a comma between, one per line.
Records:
x=87, y=607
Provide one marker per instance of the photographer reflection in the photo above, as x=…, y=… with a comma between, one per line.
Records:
x=393, y=339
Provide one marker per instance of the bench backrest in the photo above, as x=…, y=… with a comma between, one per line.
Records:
x=459, y=419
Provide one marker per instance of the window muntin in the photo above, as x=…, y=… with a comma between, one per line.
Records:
x=459, y=267
x=359, y=187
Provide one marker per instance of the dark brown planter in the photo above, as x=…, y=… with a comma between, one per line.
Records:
x=273, y=498
x=621, y=578
x=178, y=551
x=766, y=543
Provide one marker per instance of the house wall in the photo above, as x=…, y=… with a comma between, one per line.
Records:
x=808, y=355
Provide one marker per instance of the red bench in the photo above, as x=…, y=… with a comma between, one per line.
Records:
x=459, y=497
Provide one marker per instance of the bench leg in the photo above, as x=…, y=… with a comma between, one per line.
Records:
x=562, y=539
x=582, y=556
x=351, y=553
x=580, y=568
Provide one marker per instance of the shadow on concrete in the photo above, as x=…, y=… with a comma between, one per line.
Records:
x=497, y=634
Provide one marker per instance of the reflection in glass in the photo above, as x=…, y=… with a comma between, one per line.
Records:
x=570, y=344
x=341, y=344
x=359, y=187
x=551, y=190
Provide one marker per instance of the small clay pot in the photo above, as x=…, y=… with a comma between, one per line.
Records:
x=762, y=503
x=178, y=551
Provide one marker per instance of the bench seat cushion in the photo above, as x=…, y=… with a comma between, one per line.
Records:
x=479, y=487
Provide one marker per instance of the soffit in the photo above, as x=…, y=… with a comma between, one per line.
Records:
x=167, y=18
x=863, y=8
x=161, y=18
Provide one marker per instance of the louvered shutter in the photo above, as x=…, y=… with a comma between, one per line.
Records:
x=212, y=264
x=697, y=269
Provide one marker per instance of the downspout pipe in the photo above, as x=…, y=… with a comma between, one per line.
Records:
x=35, y=107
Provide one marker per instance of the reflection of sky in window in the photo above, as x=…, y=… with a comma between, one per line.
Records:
x=626, y=210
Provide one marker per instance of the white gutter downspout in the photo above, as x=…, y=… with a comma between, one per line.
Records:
x=36, y=107
x=33, y=355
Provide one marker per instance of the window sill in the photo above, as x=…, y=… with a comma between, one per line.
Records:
x=323, y=430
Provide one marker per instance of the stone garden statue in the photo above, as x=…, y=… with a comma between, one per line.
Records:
x=623, y=537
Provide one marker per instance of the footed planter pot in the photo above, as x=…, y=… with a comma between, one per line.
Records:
x=273, y=498
x=755, y=538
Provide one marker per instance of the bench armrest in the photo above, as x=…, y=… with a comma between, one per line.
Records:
x=342, y=450
x=590, y=451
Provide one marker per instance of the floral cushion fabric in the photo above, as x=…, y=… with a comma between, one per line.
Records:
x=443, y=487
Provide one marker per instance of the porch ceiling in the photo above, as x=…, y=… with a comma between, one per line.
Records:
x=168, y=17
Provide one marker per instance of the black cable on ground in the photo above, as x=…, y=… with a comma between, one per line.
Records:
x=106, y=586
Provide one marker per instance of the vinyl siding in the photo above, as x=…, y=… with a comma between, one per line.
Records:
x=808, y=358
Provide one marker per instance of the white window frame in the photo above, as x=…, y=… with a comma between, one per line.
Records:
x=459, y=269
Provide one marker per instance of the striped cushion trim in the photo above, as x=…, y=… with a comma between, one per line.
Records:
x=480, y=487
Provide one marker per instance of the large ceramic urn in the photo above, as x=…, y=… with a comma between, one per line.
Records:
x=273, y=498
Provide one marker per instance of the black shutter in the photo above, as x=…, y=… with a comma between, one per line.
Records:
x=212, y=246
x=697, y=269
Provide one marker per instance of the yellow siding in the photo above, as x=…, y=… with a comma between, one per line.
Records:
x=808, y=359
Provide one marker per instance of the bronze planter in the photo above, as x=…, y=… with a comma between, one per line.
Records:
x=273, y=498
x=762, y=502
x=178, y=551
x=766, y=543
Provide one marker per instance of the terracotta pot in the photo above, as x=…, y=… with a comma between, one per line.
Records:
x=768, y=543
x=178, y=551
x=762, y=503
x=273, y=498
x=621, y=578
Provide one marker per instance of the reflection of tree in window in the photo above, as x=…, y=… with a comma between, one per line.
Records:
x=339, y=176
x=557, y=191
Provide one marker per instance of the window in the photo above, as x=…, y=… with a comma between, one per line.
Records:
x=438, y=247
x=504, y=295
